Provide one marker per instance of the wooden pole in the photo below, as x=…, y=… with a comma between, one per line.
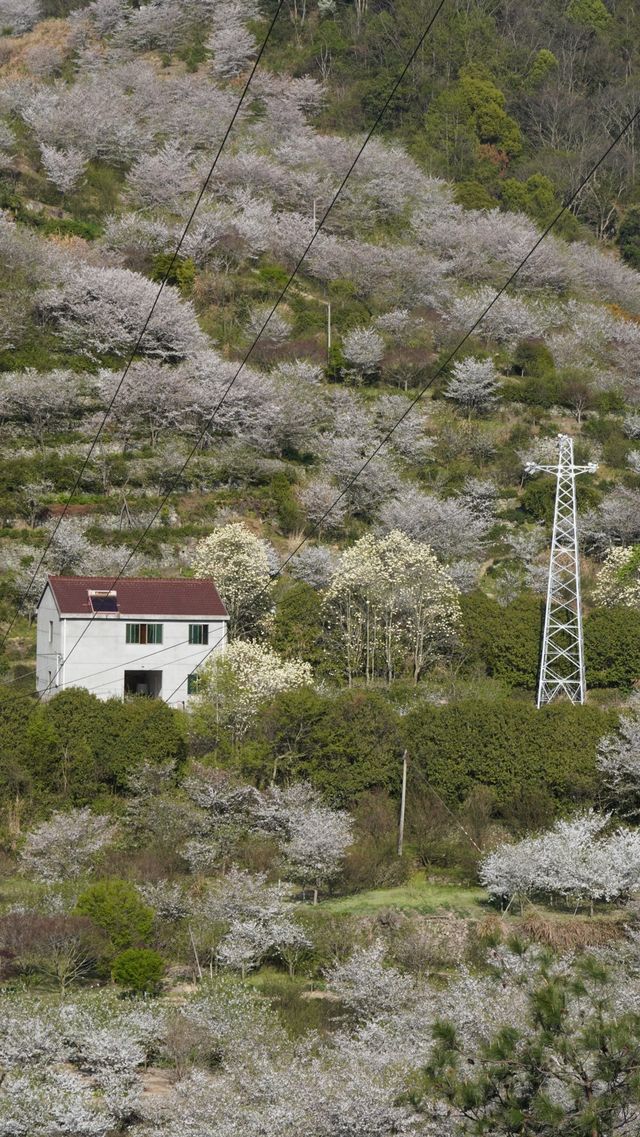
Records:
x=403, y=804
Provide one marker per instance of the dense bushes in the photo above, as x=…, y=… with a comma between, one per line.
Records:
x=115, y=907
x=510, y=747
x=612, y=647
x=344, y=744
x=503, y=639
x=138, y=969
x=75, y=747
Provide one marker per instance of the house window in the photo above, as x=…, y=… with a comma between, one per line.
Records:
x=144, y=633
x=50, y=631
x=193, y=683
x=198, y=633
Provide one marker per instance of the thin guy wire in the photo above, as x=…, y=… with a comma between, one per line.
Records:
x=156, y=301
x=316, y=526
x=254, y=344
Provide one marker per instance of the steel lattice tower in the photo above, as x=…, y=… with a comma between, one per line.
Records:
x=562, y=661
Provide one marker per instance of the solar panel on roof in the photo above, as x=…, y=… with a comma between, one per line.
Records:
x=104, y=601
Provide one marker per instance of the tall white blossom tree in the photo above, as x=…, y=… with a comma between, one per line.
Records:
x=65, y=168
x=474, y=385
x=390, y=598
x=239, y=564
x=618, y=759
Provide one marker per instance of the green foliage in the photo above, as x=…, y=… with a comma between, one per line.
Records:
x=629, y=237
x=298, y=624
x=468, y=115
x=612, y=647
x=543, y=65
x=539, y=497
x=509, y=746
x=181, y=271
x=287, y=509
x=591, y=13
x=533, y=358
x=537, y=197
x=564, y=1074
x=506, y=640
x=344, y=744
x=115, y=906
x=138, y=970
x=473, y=195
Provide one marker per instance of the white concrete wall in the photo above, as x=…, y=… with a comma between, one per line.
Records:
x=49, y=650
x=102, y=655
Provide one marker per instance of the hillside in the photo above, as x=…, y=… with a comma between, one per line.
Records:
x=206, y=923
x=110, y=117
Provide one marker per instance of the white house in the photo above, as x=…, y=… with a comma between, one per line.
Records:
x=141, y=637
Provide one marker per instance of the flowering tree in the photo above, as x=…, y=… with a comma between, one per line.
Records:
x=246, y=677
x=64, y=168
x=238, y=563
x=454, y=527
x=363, y=348
x=314, y=564
x=573, y=859
x=364, y=983
x=99, y=310
x=618, y=580
x=319, y=838
x=65, y=846
x=389, y=597
x=473, y=385
x=619, y=764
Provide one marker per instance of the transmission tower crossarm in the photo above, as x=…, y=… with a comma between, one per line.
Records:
x=562, y=658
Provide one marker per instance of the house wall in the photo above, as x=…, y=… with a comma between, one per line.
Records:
x=102, y=655
x=49, y=649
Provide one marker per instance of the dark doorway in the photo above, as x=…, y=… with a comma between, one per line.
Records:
x=143, y=683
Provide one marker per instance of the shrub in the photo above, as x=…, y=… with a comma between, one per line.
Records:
x=612, y=647
x=138, y=969
x=508, y=746
x=506, y=640
x=116, y=908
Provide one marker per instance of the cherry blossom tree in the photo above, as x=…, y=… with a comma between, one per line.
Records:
x=65, y=846
x=239, y=564
x=314, y=564
x=161, y=179
x=363, y=348
x=319, y=838
x=19, y=16
x=574, y=859
x=473, y=385
x=618, y=581
x=366, y=985
x=231, y=43
x=103, y=310
x=64, y=168
x=618, y=761
x=453, y=527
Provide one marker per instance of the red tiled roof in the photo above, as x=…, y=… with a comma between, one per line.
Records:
x=138, y=596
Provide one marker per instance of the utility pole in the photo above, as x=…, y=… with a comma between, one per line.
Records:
x=403, y=804
x=327, y=304
x=562, y=659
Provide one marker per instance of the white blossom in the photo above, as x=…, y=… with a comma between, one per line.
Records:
x=65, y=846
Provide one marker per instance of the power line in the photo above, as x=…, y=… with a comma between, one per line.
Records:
x=567, y=205
x=315, y=527
x=253, y=345
x=138, y=342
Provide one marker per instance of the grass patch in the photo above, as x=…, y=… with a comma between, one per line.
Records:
x=418, y=895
